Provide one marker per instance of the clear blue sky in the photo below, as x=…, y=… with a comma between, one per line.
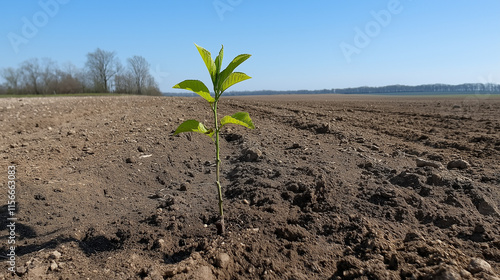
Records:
x=295, y=44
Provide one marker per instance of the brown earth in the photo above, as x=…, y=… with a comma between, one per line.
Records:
x=325, y=187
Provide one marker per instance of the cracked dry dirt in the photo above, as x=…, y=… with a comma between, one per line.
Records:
x=326, y=187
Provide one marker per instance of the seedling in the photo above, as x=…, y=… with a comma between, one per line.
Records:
x=221, y=81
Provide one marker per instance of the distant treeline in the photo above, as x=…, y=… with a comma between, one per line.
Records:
x=437, y=88
x=103, y=73
x=469, y=88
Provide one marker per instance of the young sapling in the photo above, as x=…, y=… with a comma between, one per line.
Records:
x=221, y=81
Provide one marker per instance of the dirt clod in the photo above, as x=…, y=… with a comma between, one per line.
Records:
x=459, y=164
x=252, y=154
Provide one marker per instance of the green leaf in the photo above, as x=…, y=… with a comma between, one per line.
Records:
x=197, y=87
x=218, y=60
x=209, y=62
x=193, y=126
x=230, y=68
x=233, y=79
x=240, y=118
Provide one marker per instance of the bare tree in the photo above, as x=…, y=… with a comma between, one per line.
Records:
x=103, y=73
x=152, y=86
x=30, y=70
x=13, y=78
x=48, y=75
x=139, y=68
x=86, y=81
x=70, y=69
x=124, y=83
x=67, y=83
x=102, y=66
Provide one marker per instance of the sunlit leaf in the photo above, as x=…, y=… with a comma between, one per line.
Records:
x=193, y=126
x=233, y=79
x=230, y=68
x=240, y=118
x=218, y=60
x=209, y=62
x=197, y=87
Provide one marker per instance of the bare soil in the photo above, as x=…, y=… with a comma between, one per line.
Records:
x=325, y=187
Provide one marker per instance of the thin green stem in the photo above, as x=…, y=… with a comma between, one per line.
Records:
x=217, y=166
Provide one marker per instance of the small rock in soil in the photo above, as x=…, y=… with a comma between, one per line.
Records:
x=222, y=260
x=159, y=243
x=53, y=266
x=478, y=265
x=458, y=164
x=55, y=255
